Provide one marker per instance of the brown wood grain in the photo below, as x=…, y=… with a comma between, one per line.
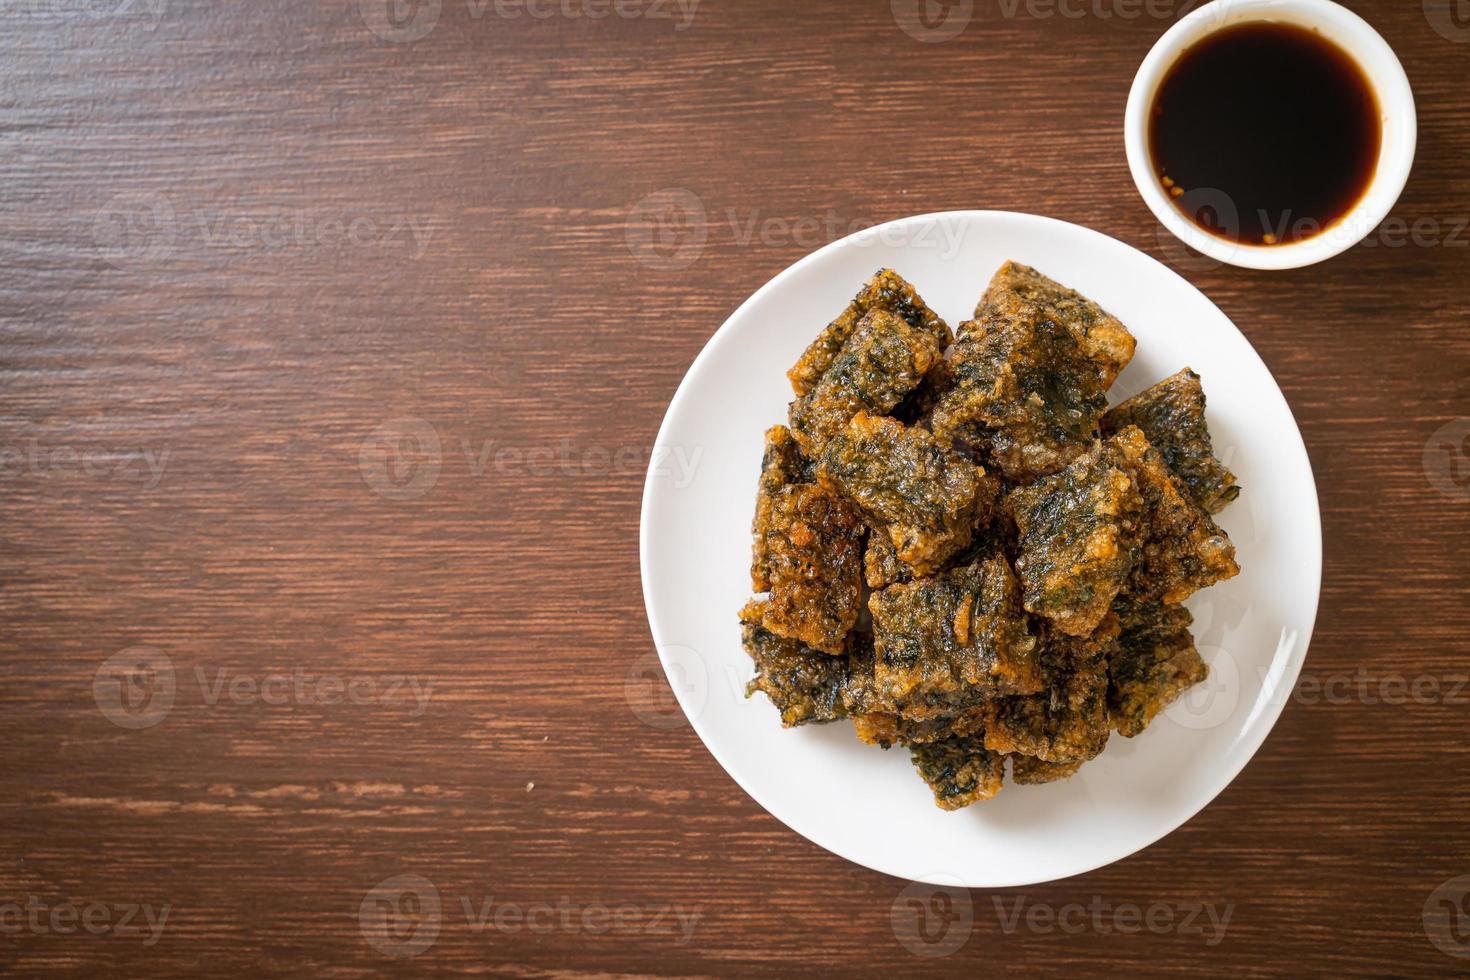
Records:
x=242, y=238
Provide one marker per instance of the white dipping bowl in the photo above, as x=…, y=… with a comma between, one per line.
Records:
x=1395, y=104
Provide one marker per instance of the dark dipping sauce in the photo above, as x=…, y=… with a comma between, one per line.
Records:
x=1265, y=133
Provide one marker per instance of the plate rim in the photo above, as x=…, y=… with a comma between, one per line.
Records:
x=1265, y=723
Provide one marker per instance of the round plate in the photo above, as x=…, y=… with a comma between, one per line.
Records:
x=869, y=805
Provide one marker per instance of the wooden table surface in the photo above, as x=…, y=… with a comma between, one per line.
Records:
x=335, y=337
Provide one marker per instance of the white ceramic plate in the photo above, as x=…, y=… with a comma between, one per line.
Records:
x=869, y=805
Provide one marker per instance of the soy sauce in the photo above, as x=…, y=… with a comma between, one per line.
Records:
x=1265, y=133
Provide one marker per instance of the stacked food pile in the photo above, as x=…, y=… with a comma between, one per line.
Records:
x=962, y=549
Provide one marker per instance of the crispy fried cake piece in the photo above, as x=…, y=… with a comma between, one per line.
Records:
x=811, y=543
x=881, y=362
x=1020, y=291
x=1183, y=549
x=1025, y=393
x=1068, y=721
x=1028, y=771
x=881, y=479
x=960, y=770
x=1172, y=417
x=881, y=565
x=918, y=406
x=1153, y=662
x=887, y=291
x=946, y=642
x=926, y=499
x=887, y=728
x=1079, y=535
x=805, y=685
x=782, y=465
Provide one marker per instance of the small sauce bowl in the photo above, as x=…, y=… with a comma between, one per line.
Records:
x=1379, y=65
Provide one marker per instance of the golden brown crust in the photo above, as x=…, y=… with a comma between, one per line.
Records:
x=1068, y=721
x=882, y=362
x=1025, y=395
x=1027, y=771
x=887, y=291
x=812, y=544
x=1181, y=549
x=925, y=499
x=964, y=555
x=953, y=639
x=1079, y=535
x=960, y=770
x=1171, y=415
x=782, y=465
x=1153, y=662
x=1019, y=290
